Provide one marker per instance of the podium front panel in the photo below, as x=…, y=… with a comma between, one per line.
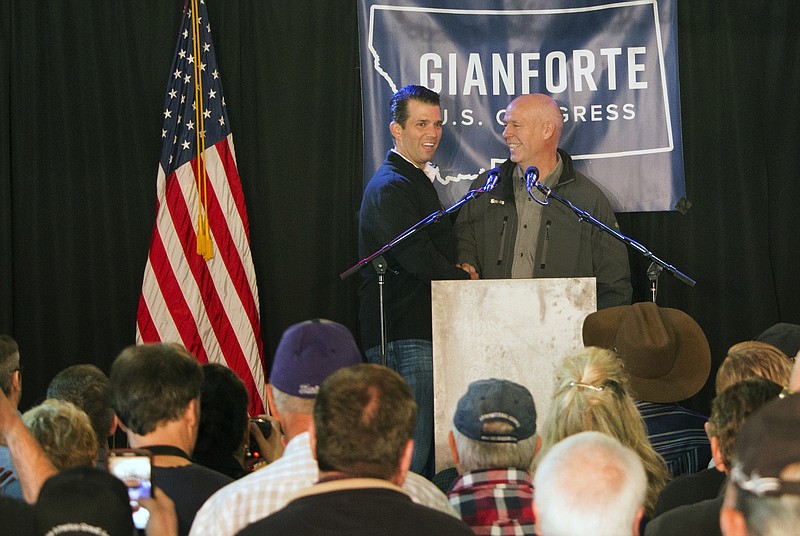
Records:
x=512, y=329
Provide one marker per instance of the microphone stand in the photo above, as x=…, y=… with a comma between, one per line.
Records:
x=656, y=266
x=378, y=262
x=653, y=271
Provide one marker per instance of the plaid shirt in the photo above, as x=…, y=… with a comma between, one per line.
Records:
x=495, y=501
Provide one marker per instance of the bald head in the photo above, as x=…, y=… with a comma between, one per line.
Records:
x=540, y=106
x=533, y=130
x=589, y=483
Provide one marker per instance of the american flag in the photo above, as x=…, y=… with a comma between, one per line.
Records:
x=199, y=286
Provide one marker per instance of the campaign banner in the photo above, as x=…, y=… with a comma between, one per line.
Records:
x=611, y=66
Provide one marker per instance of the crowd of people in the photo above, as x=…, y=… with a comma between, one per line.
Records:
x=350, y=443
x=346, y=429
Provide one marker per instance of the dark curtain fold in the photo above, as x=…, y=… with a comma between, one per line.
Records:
x=6, y=229
x=291, y=81
x=775, y=91
x=81, y=93
x=739, y=239
x=87, y=89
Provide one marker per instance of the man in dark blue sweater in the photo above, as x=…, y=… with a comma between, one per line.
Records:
x=399, y=195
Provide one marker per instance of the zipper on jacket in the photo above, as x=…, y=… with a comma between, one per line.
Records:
x=502, y=241
x=546, y=244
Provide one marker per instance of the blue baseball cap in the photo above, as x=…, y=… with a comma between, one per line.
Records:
x=496, y=401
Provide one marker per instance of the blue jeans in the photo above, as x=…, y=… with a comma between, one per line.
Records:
x=413, y=360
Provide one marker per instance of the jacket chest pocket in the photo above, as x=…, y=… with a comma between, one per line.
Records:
x=503, y=234
x=545, y=245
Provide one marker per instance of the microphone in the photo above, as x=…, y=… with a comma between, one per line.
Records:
x=531, y=177
x=532, y=181
x=491, y=180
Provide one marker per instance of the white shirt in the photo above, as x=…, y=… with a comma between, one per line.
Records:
x=430, y=170
x=267, y=490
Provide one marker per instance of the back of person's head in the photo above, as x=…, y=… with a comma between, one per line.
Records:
x=589, y=483
x=64, y=432
x=153, y=383
x=398, y=106
x=768, y=516
x=224, y=417
x=363, y=420
x=89, y=388
x=84, y=500
x=494, y=426
x=307, y=354
x=753, y=359
x=591, y=395
x=763, y=494
x=783, y=336
x=9, y=361
x=732, y=406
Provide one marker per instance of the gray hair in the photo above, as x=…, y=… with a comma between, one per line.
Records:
x=769, y=516
x=589, y=483
x=289, y=404
x=474, y=455
x=64, y=431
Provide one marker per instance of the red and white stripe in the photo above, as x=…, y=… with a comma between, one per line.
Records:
x=211, y=307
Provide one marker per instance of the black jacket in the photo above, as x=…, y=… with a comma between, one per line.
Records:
x=398, y=196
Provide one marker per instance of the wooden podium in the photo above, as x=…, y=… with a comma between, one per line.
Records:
x=512, y=329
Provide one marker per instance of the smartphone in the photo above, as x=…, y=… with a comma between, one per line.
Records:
x=133, y=467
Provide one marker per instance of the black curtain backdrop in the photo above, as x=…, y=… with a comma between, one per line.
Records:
x=82, y=87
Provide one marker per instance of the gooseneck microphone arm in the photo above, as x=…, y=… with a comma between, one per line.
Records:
x=532, y=181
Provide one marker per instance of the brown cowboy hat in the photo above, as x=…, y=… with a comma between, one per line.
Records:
x=665, y=352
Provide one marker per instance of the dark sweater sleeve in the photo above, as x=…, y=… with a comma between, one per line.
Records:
x=394, y=208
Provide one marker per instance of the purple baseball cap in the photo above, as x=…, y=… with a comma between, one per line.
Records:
x=308, y=353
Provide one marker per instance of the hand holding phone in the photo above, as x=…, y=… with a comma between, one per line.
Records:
x=163, y=518
x=134, y=468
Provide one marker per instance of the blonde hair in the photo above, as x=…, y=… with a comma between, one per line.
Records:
x=591, y=395
x=753, y=359
x=64, y=432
